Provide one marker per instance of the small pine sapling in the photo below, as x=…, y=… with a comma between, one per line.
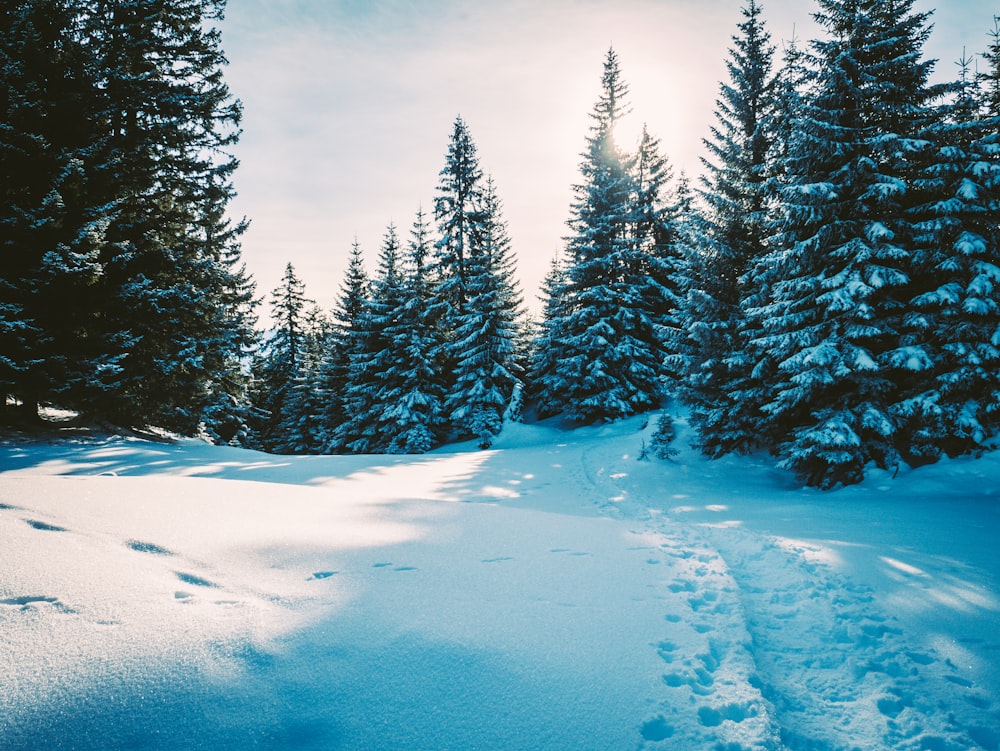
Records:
x=662, y=437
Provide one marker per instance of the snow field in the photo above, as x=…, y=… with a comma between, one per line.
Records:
x=552, y=593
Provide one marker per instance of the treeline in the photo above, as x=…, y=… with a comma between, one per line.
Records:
x=829, y=291
x=430, y=348
x=122, y=294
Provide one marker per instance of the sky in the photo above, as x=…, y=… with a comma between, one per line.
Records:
x=349, y=106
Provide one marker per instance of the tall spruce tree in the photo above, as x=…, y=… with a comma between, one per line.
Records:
x=281, y=360
x=732, y=241
x=949, y=354
x=838, y=275
x=458, y=209
x=53, y=222
x=176, y=298
x=412, y=411
x=608, y=348
x=487, y=333
x=544, y=363
x=345, y=341
x=366, y=427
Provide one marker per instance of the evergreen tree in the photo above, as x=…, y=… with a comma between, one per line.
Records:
x=278, y=364
x=987, y=94
x=608, y=350
x=345, y=342
x=544, y=363
x=950, y=347
x=656, y=268
x=458, y=209
x=412, y=409
x=841, y=262
x=176, y=305
x=732, y=241
x=303, y=427
x=52, y=222
x=364, y=429
x=487, y=333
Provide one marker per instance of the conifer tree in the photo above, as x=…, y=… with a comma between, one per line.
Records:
x=303, y=427
x=176, y=298
x=52, y=222
x=841, y=263
x=364, y=428
x=487, y=332
x=458, y=209
x=345, y=341
x=544, y=364
x=949, y=354
x=608, y=351
x=280, y=361
x=412, y=409
x=732, y=241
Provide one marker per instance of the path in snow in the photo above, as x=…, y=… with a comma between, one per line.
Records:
x=823, y=665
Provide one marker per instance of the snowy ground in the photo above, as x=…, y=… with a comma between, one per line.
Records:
x=553, y=593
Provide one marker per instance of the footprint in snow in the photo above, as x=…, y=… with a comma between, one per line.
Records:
x=32, y=602
x=321, y=575
x=656, y=729
x=195, y=581
x=44, y=526
x=147, y=547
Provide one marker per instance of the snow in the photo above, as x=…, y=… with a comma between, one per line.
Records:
x=552, y=593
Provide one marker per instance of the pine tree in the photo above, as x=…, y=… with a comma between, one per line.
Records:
x=364, y=429
x=345, y=341
x=458, y=209
x=657, y=263
x=303, y=427
x=487, y=333
x=608, y=351
x=987, y=93
x=950, y=338
x=412, y=400
x=280, y=361
x=841, y=262
x=176, y=299
x=52, y=222
x=731, y=242
x=544, y=371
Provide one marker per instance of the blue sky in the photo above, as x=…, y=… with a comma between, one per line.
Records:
x=349, y=105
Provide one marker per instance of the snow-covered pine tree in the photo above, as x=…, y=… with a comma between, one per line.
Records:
x=412, y=404
x=656, y=269
x=987, y=90
x=355, y=291
x=459, y=212
x=52, y=222
x=303, y=425
x=277, y=364
x=364, y=429
x=949, y=357
x=717, y=382
x=487, y=332
x=607, y=351
x=176, y=300
x=838, y=273
x=544, y=363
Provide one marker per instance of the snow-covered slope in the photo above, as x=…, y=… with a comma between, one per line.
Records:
x=552, y=593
